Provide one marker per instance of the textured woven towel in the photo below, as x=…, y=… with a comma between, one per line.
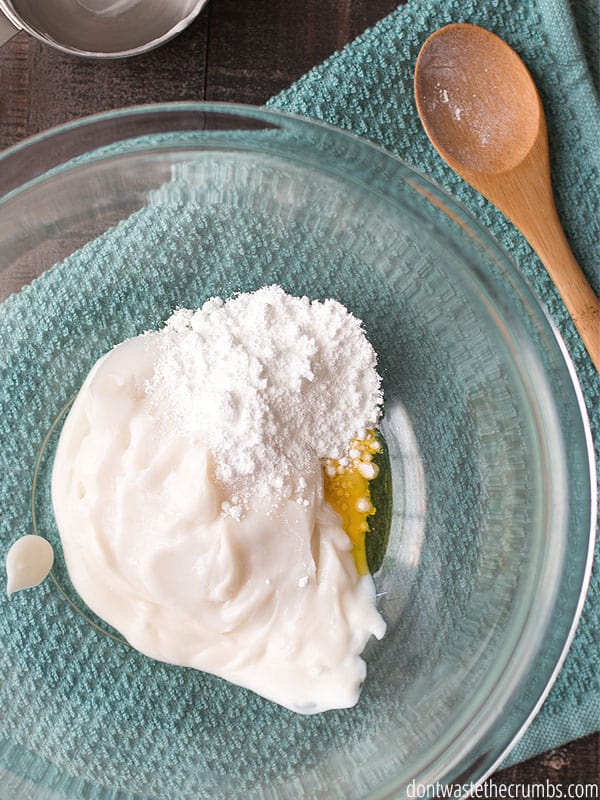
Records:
x=367, y=89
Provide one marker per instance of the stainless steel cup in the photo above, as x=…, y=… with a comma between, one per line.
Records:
x=98, y=28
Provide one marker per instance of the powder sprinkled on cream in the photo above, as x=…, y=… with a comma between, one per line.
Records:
x=189, y=489
x=273, y=383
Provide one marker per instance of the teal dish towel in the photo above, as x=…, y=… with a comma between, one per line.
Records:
x=367, y=89
x=143, y=726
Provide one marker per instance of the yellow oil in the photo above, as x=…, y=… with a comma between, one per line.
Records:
x=346, y=489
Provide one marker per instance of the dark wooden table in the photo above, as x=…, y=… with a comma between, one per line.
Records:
x=235, y=51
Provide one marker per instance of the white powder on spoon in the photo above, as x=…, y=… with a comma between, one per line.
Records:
x=272, y=383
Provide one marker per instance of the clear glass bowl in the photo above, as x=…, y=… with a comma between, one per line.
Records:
x=492, y=487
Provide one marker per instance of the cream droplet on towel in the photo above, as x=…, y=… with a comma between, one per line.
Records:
x=28, y=562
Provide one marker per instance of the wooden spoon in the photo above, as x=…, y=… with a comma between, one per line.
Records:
x=481, y=110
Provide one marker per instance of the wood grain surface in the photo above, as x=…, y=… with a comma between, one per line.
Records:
x=238, y=52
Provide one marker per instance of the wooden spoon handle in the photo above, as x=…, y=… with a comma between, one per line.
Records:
x=578, y=296
x=545, y=234
x=525, y=197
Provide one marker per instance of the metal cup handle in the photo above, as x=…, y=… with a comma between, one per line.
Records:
x=7, y=29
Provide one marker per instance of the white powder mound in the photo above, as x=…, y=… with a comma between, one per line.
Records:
x=273, y=384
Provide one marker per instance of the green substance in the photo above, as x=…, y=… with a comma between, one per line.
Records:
x=376, y=540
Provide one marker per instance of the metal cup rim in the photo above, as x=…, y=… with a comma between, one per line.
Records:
x=22, y=24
